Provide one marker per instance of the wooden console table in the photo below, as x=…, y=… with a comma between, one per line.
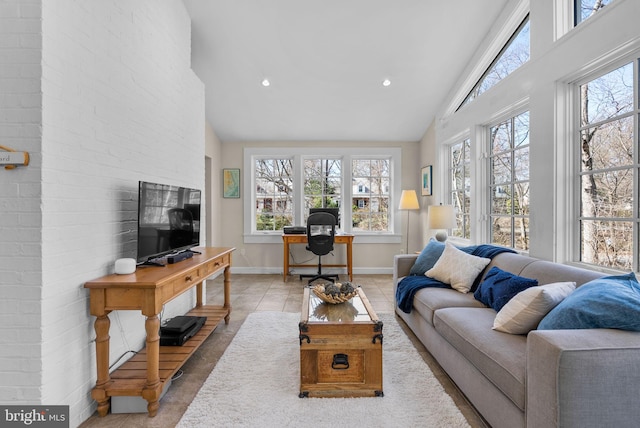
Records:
x=147, y=290
x=288, y=239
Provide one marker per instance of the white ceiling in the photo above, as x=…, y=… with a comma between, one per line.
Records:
x=326, y=60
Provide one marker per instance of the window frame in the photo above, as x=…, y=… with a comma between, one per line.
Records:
x=346, y=154
x=575, y=213
x=490, y=185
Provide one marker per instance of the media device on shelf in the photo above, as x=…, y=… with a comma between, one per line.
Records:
x=168, y=222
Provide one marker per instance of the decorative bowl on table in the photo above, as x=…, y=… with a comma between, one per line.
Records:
x=335, y=293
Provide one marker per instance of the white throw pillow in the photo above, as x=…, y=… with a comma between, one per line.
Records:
x=457, y=268
x=524, y=312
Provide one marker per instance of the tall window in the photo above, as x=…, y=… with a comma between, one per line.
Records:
x=371, y=180
x=273, y=193
x=584, y=9
x=512, y=56
x=608, y=188
x=460, y=192
x=322, y=183
x=509, y=182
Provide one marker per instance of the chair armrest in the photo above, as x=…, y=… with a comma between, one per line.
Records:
x=583, y=378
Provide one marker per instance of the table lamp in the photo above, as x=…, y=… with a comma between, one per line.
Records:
x=408, y=201
x=441, y=217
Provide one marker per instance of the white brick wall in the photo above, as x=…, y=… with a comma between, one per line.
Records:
x=20, y=191
x=119, y=104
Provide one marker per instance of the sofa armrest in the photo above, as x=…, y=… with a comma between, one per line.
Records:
x=402, y=264
x=583, y=378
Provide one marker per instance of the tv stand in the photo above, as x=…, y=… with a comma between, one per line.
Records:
x=147, y=290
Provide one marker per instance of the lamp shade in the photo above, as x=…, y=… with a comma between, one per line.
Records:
x=441, y=217
x=408, y=200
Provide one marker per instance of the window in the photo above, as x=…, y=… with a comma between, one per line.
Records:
x=371, y=203
x=322, y=183
x=609, y=169
x=460, y=181
x=509, y=182
x=281, y=184
x=584, y=9
x=273, y=193
x=513, y=55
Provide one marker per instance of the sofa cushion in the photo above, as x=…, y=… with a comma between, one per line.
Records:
x=429, y=300
x=427, y=258
x=499, y=286
x=500, y=357
x=608, y=302
x=457, y=268
x=522, y=313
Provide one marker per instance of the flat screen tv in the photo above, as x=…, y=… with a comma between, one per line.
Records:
x=168, y=220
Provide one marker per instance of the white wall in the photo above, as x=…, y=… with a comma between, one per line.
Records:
x=119, y=104
x=556, y=60
x=20, y=214
x=267, y=258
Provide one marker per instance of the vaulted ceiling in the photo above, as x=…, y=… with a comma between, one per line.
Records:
x=326, y=62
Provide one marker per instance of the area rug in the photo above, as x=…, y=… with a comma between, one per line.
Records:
x=256, y=384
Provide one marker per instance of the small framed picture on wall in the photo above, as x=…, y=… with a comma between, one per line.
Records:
x=231, y=183
x=426, y=180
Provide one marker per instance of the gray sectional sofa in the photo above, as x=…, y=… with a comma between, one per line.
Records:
x=548, y=378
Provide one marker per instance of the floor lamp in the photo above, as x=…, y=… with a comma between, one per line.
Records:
x=441, y=217
x=408, y=201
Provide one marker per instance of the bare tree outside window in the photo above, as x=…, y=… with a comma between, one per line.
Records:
x=371, y=181
x=274, y=193
x=322, y=183
x=509, y=182
x=460, y=182
x=584, y=9
x=511, y=57
x=608, y=165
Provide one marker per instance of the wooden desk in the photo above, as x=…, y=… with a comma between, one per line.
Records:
x=302, y=239
x=147, y=290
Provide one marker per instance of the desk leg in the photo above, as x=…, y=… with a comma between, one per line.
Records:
x=153, y=388
x=285, y=258
x=227, y=292
x=350, y=260
x=199, y=296
x=98, y=393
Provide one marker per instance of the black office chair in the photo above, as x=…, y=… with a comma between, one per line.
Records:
x=181, y=227
x=321, y=229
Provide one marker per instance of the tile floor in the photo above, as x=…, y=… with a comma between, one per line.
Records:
x=251, y=293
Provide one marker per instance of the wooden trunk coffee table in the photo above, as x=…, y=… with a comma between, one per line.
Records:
x=340, y=348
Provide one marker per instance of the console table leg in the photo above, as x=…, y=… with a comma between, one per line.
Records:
x=101, y=326
x=227, y=292
x=153, y=388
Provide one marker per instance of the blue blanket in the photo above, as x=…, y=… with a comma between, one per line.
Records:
x=409, y=286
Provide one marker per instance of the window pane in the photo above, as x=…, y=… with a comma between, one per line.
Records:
x=612, y=197
x=607, y=96
x=607, y=243
x=513, y=55
x=586, y=8
x=502, y=231
x=521, y=164
x=501, y=137
x=322, y=183
x=501, y=168
x=608, y=146
x=521, y=130
x=371, y=187
x=522, y=233
x=274, y=186
x=501, y=200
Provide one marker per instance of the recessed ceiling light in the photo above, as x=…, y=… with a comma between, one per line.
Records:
x=386, y=82
x=266, y=82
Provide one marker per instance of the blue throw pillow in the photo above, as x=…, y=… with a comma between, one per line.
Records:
x=427, y=258
x=499, y=287
x=607, y=302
